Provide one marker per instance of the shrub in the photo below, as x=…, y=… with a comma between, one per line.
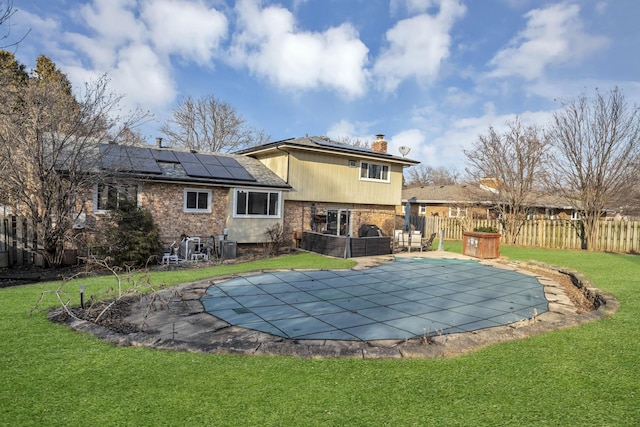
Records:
x=130, y=235
x=486, y=229
x=276, y=241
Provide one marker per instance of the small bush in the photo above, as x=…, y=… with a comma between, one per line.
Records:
x=275, y=234
x=486, y=229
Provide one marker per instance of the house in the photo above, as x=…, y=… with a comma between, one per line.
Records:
x=191, y=193
x=477, y=201
x=335, y=188
x=448, y=201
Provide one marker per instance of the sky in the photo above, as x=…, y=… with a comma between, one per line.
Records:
x=431, y=75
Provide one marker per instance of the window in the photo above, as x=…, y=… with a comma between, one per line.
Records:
x=107, y=196
x=374, y=172
x=197, y=201
x=337, y=222
x=257, y=203
x=423, y=209
x=575, y=215
x=457, y=212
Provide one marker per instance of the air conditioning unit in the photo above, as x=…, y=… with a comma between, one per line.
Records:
x=228, y=249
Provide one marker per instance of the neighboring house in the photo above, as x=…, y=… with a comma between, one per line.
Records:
x=476, y=201
x=336, y=188
x=191, y=193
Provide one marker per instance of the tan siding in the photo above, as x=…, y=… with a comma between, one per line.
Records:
x=277, y=162
x=248, y=230
x=325, y=178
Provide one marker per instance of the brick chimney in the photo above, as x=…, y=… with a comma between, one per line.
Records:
x=379, y=145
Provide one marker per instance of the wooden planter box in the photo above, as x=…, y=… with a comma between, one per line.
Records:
x=481, y=245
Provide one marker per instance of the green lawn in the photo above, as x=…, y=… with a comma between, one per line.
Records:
x=588, y=375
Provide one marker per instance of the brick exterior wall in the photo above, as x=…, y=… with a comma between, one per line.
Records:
x=166, y=203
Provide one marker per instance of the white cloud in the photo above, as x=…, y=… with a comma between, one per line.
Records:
x=134, y=40
x=114, y=21
x=187, y=29
x=456, y=97
x=271, y=46
x=553, y=35
x=100, y=55
x=447, y=148
x=352, y=130
x=411, y=6
x=140, y=75
x=414, y=139
x=417, y=46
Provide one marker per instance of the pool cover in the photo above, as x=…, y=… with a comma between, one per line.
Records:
x=403, y=299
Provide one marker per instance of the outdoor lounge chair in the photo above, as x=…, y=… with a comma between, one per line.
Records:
x=405, y=242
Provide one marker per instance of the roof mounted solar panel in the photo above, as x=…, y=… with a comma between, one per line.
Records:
x=209, y=159
x=229, y=161
x=145, y=165
x=114, y=157
x=141, y=152
x=219, y=171
x=345, y=146
x=183, y=156
x=240, y=173
x=197, y=170
x=165, y=156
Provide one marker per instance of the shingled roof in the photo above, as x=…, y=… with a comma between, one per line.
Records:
x=326, y=145
x=169, y=165
x=472, y=193
x=443, y=194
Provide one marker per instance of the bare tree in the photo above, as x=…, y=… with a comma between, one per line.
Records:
x=209, y=124
x=422, y=175
x=355, y=142
x=510, y=164
x=6, y=12
x=49, y=153
x=596, y=162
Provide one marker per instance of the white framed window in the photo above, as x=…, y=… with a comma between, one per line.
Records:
x=374, y=172
x=197, y=200
x=256, y=204
x=423, y=209
x=107, y=196
x=575, y=215
x=457, y=212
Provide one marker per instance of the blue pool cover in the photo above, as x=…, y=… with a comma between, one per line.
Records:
x=403, y=299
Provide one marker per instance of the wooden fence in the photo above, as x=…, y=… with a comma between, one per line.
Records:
x=18, y=243
x=613, y=236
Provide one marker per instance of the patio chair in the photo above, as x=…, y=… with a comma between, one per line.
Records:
x=426, y=243
x=169, y=256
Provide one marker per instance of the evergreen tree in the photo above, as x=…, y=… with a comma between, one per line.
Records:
x=131, y=235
